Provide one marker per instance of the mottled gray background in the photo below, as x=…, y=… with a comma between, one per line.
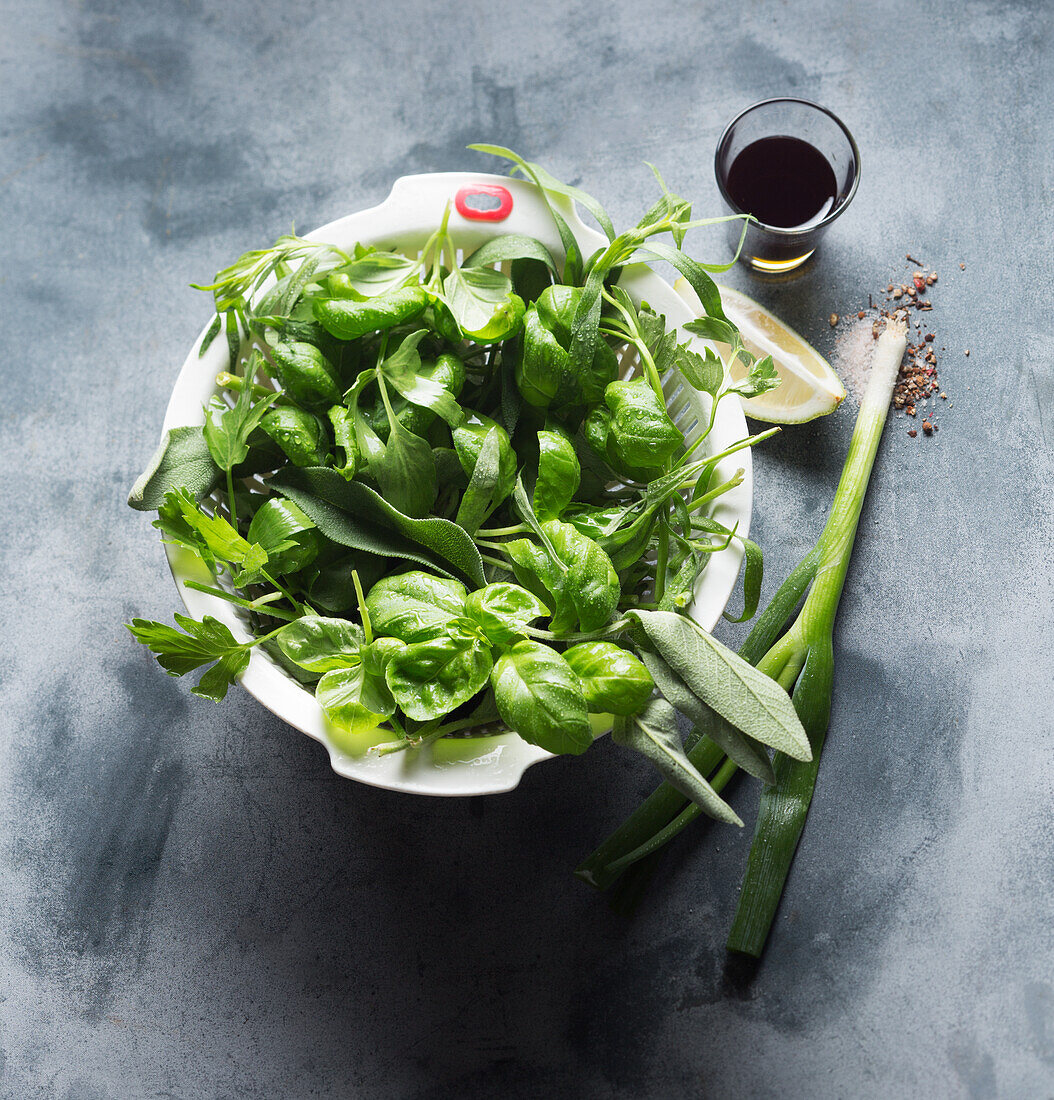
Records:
x=193, y=906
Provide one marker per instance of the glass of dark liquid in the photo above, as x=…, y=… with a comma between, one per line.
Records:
x=795, y=167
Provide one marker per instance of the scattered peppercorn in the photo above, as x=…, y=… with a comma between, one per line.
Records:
x=912, y=432
x=927, y=427
x=834, y=320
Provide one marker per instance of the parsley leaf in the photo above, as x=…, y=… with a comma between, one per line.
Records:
x=201, y=644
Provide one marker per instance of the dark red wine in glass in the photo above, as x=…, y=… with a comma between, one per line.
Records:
x=794, y=167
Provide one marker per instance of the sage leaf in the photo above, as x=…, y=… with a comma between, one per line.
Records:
x=181, y=461
x=747, y=698
x=742, y=750
x=653, y=733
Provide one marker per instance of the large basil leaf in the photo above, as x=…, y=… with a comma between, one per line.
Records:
x=558, y=474
x=576, y=579
x=502, y=610
x=483, y=303
x=613, y=680
x=539, y=696
x=320, y=644
x=370, y=275
x=590, y=580
x=641, y=433
x=654, y=734
x=414, y=606
x=290, y=538
x=354, y=699
x=353, y=515
x=430, y=679
x=182, y=461
x=543, y=369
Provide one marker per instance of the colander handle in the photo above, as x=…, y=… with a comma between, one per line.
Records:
x=483, y=206
x=484, y=202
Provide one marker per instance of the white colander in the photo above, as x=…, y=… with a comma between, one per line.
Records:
x=485, y=207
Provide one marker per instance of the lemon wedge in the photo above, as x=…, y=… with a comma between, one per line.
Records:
x=808, y=386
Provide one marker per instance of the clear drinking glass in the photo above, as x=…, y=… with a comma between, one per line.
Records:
x=778, y=248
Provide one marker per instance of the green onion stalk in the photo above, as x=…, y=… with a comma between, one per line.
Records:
x=801, y=659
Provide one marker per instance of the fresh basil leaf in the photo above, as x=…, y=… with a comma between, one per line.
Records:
x=502, y=610
x=306, y=375
x=347, y=319
x=744, y=751
x=486, y=488
x=299, y=434
x=747, y=698
x=429, y=679
x=573, y=575
x=642, y=434
x=590, y=580
x=343, y=424
x=353, y=515
x=355, y=700
x=558, y=475
x=654, y=734
x=288, y=536
x=414, y=606
x=543, y=370
x=182, y=461
x=320, y=644
x=371, y=275
x=540, y=697
x=423, y=390
x=613, y=680
x=483, y=303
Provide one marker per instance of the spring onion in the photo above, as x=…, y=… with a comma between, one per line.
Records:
x=802, y=662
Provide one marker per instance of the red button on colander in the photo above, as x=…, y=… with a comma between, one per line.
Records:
x=484, y=202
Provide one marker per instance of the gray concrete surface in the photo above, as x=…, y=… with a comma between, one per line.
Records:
x=193, y=906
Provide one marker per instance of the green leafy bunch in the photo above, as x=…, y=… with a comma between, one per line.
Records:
x=441, y=500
